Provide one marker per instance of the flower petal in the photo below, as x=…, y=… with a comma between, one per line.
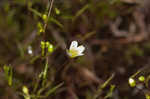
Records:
x=81, y=54
x=80, y=49
x=73, y=45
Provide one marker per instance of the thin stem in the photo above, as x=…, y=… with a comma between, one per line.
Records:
x=49, y=13
x=50, y=5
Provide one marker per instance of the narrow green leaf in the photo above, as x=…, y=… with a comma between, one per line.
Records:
x=81, y=11
x=8, y=74
x=53, y=89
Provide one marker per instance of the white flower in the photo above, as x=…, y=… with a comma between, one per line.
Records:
x=132, y=82
x=75, y=50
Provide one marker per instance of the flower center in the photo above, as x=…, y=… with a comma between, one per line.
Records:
x=73, y=52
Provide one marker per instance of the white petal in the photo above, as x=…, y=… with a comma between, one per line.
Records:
x=30, y=50
x=81, y=48
x=73, y=45
x=80, y=54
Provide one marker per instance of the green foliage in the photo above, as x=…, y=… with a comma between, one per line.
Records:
x=20, y=2
x=101, y=87
x=49, y=92
x=43, y=47
x=26, y=92
x=141, y=78
x=38, y=95
x=55, y=21
x=80, y=12
x=44, y=17
x=43, y=74
x=89, y=95
x=48, y=46
x=147, y=81
x=132, y=51
x=8, y=74
x=57, y=11
x=110, y=93
x=136, y=50
x=40, y=28
x=147, y=96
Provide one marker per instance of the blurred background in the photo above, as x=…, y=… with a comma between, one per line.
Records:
x=115, y=34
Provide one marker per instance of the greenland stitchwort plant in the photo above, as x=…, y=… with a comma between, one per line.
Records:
x=75, y=50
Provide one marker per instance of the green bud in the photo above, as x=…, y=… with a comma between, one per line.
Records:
x=147, y=96
x=47, y=44
x=42, y=44
x=44, y=17
x=25, y=90
x=57, y=11
x=132, y=82
x=43, y=47
x=141, y=78
x=50, y=48
x=40, y=27
x=41, y=30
